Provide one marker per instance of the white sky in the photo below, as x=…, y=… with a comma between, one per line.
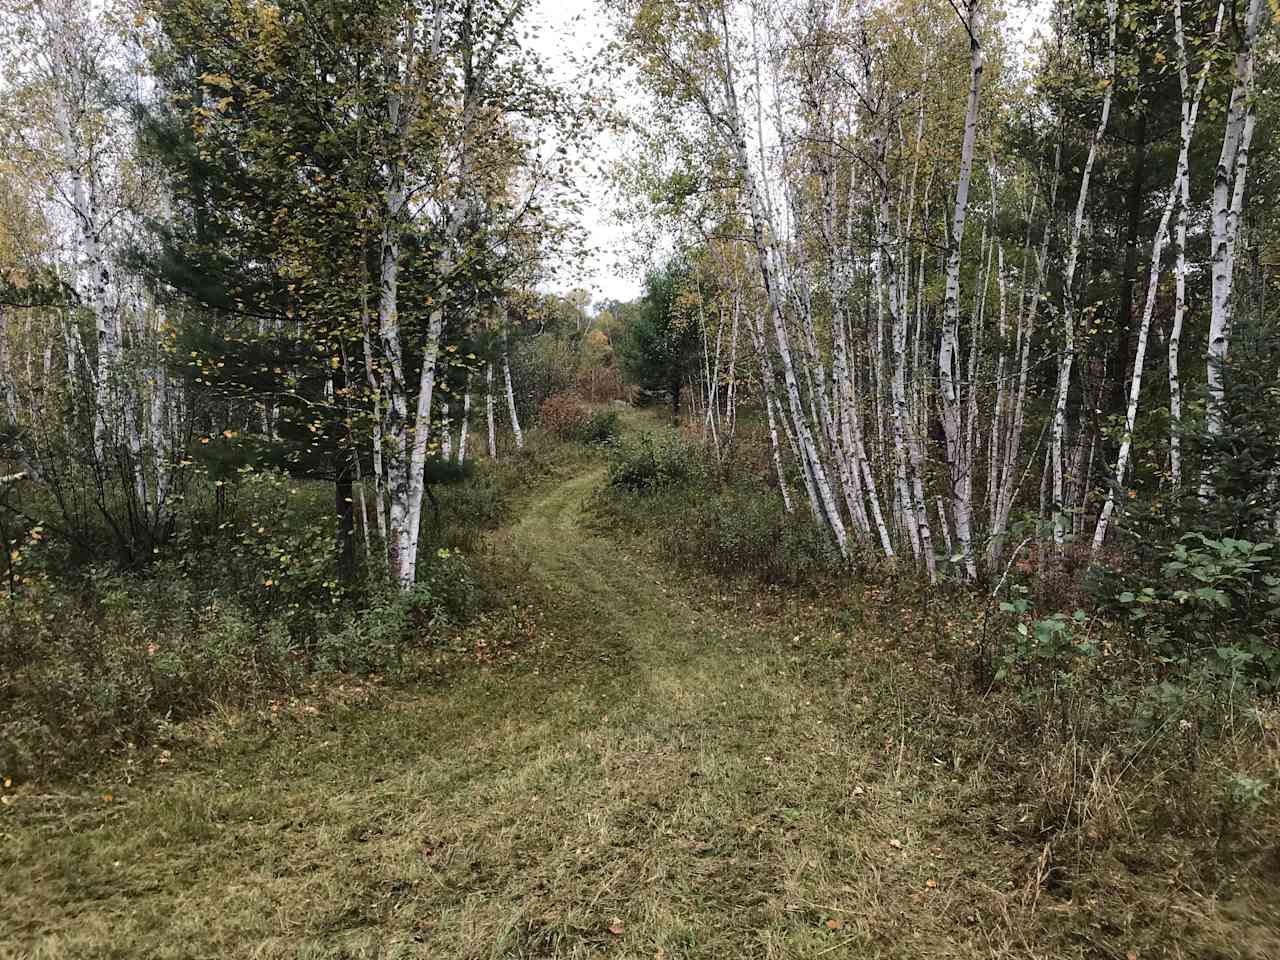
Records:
x=576, y=29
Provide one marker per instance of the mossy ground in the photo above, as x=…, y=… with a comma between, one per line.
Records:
x=632, y=764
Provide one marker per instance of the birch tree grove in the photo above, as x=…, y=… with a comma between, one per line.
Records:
x=847, y=149
x=980, y=286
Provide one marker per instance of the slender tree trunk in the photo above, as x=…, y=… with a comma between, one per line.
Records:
x=1178, y=190
x=511, y=397
x=1068, y=296
x=1228, y=196
x=446, y=433
x=948, y=353
x=466, y=422
x=489, y=405
x=762, y=242
x=400, y=548
x=422, y=435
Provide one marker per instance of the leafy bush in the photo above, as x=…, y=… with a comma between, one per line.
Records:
x=1043, y=647
x=269, y=545
x=541, y=368
x=1218, y=601
x=669, y=491
x=246, y=605
x=603, y=427
x=377, y=638
x=734, y=533
x=564, y=416
x=650, y=463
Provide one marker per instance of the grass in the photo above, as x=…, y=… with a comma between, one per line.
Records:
x=635, y=764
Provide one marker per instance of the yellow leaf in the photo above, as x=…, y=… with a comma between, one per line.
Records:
x=216, y=80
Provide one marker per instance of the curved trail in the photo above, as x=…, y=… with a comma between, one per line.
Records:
x=627, y=602
x=647, y=771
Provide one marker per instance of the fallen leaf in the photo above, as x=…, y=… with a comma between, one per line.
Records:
x=896, y=844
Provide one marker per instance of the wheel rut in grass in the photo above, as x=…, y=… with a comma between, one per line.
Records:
x=626, y=603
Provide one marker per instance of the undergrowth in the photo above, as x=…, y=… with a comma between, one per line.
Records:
x=668, y=491
x=245, y=606
x=1142, y=730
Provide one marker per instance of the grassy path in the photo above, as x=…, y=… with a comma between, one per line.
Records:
x=658, y=777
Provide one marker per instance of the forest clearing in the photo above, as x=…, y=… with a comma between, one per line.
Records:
x=665, y=479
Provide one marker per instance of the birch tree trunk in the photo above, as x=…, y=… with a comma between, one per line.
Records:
x=1068, y=303
x=69, y=82
x=1190, y=110
x=762, y=232
x=489, y=404
x=511, y=397
x=1026, y=331
x=948, y=352
x=446, y=433
x=401, y=551
x=1228, y=196
x=466, y=422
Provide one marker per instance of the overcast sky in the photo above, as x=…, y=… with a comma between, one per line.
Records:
x=569, y=30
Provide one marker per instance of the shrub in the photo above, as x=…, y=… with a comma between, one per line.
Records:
x=667, y=491
x=601, y=384
x=651, y=463
x=1218, y=601
x=603, y=427
x=376, y=639
x=113, y=663
x=541, y=368
x=564, y=416
x=738, y=532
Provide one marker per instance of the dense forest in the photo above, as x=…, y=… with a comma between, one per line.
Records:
x=894, y=574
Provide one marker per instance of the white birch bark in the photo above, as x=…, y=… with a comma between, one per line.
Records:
x=756, y=330
x=783, y=486
x=489, y=410
x=1028, y=312
x=884, y=266
x=401, y=551
x=1190, y=112
x=95, y=272
x=511, y=397
x=948, y=351
x=1068, y=303
x=762, y=234
x=8, y=378
x=466, y=422
x=446, y=432
x=375, y=393
x=1228, y=192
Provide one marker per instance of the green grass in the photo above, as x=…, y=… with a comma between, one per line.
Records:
x=633, y=764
